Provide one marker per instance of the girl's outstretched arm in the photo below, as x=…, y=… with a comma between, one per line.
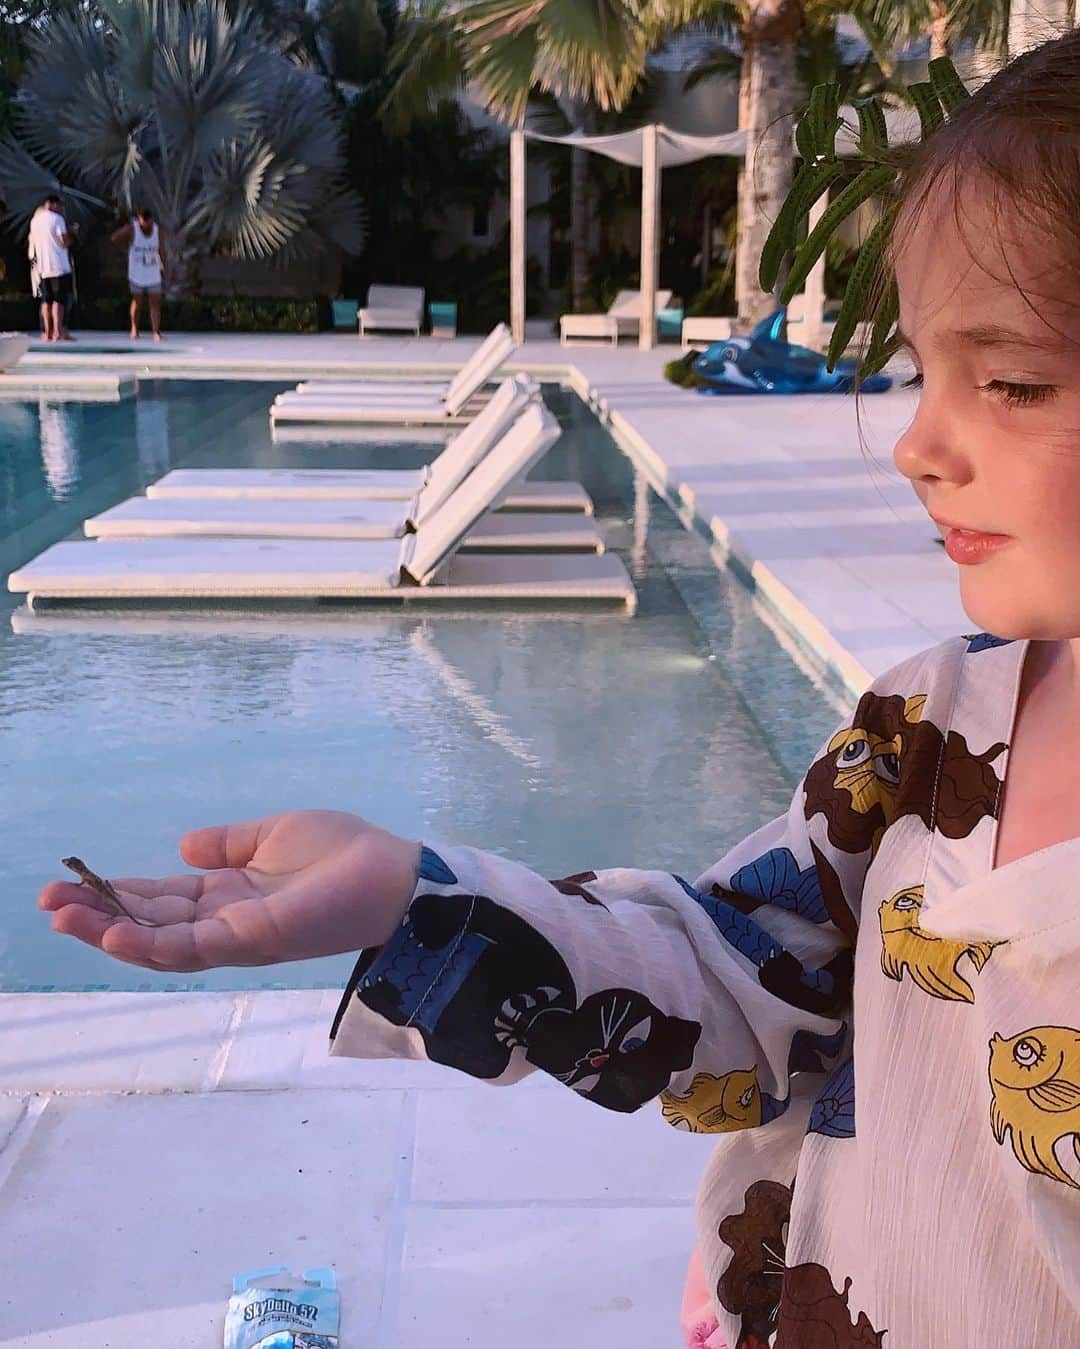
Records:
x=625, y=984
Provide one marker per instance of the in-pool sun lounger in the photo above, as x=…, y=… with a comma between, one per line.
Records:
x=318, y=401
x=503, y=421
x=350, y=484
x=424, y=566
x=434, y=481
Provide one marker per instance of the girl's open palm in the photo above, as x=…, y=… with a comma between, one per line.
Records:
x=286, y=887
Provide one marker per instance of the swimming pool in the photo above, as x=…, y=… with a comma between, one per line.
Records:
x=567, y=740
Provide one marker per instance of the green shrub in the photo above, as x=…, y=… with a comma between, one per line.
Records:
x=682, y=372
x=207, y=313
x=717, y=298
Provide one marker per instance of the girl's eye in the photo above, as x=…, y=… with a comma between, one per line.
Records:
x=915, y=382
x=1020, y=395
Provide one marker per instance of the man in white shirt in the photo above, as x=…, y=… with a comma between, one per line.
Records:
x=50, y=241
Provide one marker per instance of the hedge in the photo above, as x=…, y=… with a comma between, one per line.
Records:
x=210, y=313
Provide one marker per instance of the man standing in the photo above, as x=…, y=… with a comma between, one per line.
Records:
x=146, y=257
x=50, y=241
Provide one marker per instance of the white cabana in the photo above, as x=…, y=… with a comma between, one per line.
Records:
x=653, y=148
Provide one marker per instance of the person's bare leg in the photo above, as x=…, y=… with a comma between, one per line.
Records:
x=53, y=321
x=134, y=315
x=154, y=301
x=44, y=320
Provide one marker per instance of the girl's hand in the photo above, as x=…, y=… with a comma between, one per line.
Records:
x=286, y=887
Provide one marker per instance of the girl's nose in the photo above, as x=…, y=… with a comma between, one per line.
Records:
x=928, y=452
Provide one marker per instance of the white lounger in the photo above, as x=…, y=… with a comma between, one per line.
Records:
x=522, y=531
x=502, y=422
x=623, y=318
x=422, y=566
x=434, y=482
x=426, y=387
x=349, y=484
x=397, y=307
x=335, y=401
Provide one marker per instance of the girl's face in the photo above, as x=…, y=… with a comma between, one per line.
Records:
x=994, y=449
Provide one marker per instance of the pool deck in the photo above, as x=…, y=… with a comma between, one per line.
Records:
x=153, y=1145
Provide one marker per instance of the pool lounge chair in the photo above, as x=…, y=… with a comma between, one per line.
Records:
x=463, y=452
x=348, y=401
x=623, y=318
x=423, y=385
x=503, y=421
x=350, y=484
x=424, y=566
x=398, y=307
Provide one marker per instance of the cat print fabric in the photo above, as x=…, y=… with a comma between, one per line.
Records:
x=891, y=1024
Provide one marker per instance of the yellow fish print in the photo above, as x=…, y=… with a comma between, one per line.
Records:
x=1035, y=1080
x=932, y=962
x=868, y=764
x=716, y=1105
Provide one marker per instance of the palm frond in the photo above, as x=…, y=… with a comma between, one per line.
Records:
x=426, y=64
x=24, y=184
x=208, y=76
x=244, y=206
x=588, y=49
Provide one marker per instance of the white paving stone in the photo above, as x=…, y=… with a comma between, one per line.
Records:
x=520, y=1145
x=125, y=1218
x=532, y=1278
x=11, y=1112
x=111, y=1041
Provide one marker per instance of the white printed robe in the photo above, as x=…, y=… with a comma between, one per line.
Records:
x=882, y=1030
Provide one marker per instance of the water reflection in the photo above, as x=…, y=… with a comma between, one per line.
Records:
x=59, y=448
x=152, y=437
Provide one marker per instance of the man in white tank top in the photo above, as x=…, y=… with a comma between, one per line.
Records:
x=146, y=255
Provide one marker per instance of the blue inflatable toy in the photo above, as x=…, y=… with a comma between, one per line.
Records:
x=764, y=363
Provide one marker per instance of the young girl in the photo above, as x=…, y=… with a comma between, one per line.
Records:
x=879, y=993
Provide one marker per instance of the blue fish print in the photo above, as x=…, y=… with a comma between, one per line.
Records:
x=833, y=1112
x=777, y=878
x=433, y=868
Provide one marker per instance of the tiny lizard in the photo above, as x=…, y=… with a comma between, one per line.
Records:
x=103, y=887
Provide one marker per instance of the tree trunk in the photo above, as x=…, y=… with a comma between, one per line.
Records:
x=745, y=67
x=939, y=28
x=1032, y=22
x=769, y=38
x=581, y=115
x=579, y=228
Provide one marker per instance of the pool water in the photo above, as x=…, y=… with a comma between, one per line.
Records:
x=566, y=739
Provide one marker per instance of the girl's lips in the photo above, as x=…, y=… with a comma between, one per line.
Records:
x=968, y=546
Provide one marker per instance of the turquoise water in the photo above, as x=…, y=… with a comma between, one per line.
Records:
x=567, y=740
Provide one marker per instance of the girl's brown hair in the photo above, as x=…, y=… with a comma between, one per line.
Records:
x=1018, y=138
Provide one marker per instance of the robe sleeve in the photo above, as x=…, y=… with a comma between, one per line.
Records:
x=626, y=984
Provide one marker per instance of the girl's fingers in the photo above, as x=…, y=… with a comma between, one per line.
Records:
x=166, y=901
x=225, y=845
x=182, y=947
x=157, y=948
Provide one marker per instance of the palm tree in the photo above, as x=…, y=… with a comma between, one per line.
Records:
x=769, y=93
x=889, y=24
x=593, y=53
x=885, y=25
x=184, y=106
x=1034, y=21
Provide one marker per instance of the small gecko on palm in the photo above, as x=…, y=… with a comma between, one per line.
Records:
x=103, y=888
